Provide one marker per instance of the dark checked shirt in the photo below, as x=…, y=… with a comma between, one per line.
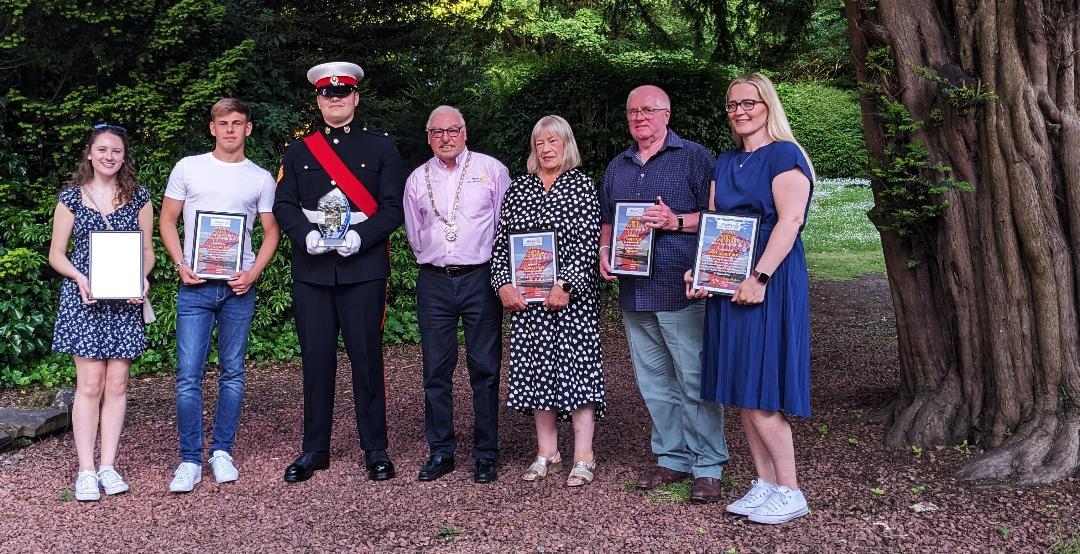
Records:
x=679, y=173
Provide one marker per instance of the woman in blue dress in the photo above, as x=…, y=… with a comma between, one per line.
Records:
x=756, y=352
x=102, y=335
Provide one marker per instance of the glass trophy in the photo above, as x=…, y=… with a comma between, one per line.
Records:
x=333, y=210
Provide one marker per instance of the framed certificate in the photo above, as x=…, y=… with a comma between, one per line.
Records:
x=725, y=251
x=631, y=240
x=218, y=248
x=533, y=264
x=116, y=265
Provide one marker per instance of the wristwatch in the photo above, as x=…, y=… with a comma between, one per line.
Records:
x=762, y=278
x=566, y=286
x=679, y=217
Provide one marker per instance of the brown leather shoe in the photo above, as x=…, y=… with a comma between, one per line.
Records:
x=706, y=489
x=660, y=475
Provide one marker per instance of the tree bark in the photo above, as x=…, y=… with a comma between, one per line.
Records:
x=986, y=293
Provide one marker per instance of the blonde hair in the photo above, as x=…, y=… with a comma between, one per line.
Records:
x=777, y=122
x=226, y=106
x=558, y=126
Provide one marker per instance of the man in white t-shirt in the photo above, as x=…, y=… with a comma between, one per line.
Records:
x=212, y=289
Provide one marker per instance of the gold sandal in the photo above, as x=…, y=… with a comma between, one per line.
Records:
x=582, y=474
x=541, y=467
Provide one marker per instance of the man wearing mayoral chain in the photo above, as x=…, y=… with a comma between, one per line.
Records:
x=452, y=206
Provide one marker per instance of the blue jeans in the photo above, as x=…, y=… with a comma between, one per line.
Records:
x=688, y=432
x=198, y=307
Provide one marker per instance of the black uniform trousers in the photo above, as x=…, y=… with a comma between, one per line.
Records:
x=356, y=310
x=441, y=299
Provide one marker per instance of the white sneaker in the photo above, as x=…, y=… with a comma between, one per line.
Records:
x=782, y=505
x=222, y=464
x=86, y=486
x=186, y=477
x=111, y=481
x=752, y=500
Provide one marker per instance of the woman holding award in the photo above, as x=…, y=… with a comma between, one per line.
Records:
x=756, y=352
x=102, y=335
x=555, y=369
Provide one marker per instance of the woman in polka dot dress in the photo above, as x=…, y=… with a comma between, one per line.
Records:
x=555, y=369
x=102, y=335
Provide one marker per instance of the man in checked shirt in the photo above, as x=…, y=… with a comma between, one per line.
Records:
x=452, y=206
x=663, y=327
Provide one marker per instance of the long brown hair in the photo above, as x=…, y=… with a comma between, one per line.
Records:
x=125, y=179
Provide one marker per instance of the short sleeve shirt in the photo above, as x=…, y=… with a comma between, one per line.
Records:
x=205, y=183
x=680, y=174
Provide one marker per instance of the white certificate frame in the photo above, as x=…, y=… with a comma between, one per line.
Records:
x=620, y=260
x=535, y=291
x=116, y=265
x=722, y=272
x=230, y=262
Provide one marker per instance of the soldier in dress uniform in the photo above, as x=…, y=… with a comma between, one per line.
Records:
x=339, y=198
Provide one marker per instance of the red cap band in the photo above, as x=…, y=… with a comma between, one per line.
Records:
x=336, y=80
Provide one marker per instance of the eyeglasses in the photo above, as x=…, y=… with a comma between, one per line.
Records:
x=646, y=113
x=111, y=128
x=451, y=132
x=746, y=105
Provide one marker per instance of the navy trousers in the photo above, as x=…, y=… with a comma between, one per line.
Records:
x=356, y=311
x=442, y=299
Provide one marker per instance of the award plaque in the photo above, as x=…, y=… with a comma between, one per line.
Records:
x=725, y=251
x=333, y=210
x=218, y=248
x=631, y=240
x=116, y=265
x=533, y=264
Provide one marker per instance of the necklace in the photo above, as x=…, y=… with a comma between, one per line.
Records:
x=754, y=152
x=450, y=224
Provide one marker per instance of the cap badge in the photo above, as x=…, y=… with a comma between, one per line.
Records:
x=334, y=80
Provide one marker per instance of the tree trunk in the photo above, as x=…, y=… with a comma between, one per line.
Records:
x=986, y=291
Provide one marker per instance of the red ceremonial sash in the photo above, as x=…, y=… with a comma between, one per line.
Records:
x=346, y=181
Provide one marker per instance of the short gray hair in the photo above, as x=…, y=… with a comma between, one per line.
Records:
x=557, y=126
x=443, y=109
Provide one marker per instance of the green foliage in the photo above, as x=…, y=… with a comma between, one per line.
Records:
x=918, y=489
x=1066, y=544
x=961, y=95
x=827, y=122
x=448, y=532
x=155, y=67
x=25, y=329
x=910, y=189
x=671, y=492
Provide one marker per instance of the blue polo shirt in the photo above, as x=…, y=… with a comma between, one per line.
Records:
x=679, y=173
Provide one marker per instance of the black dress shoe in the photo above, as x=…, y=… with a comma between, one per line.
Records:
x=306, y=465
x=437, y=466
x=380, y=470
x=486, y=471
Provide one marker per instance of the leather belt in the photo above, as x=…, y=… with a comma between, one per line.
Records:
x=453, y=270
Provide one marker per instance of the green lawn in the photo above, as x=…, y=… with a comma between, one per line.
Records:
x=840, y=241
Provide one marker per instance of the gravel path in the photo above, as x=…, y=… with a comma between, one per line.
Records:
x=861, y=495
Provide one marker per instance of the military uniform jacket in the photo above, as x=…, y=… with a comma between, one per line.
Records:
x=375, y=161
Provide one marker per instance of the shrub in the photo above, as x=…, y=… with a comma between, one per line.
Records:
x=827, y=122
x=27, y=313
